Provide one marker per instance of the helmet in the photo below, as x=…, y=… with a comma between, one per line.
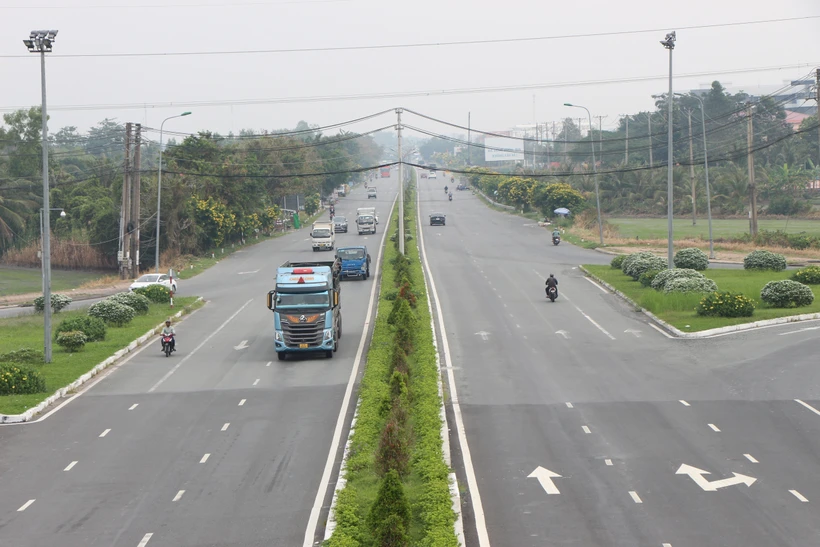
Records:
x=167, y=321
x=552, y=275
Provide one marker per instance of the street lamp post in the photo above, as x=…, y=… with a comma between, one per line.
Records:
x=40, y=41
x=594, y=169
x=669, y=43
x=159, y=181
x=706, y=170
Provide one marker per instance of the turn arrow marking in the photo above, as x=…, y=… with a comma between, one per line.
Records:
x=637, y=333
x=545, y=477
x=697, y=475
x=563, y=333
x=242, y=345
x=483, y=335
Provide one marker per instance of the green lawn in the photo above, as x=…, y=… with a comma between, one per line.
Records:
x=656, y=228
x=30, y=280
x=679, y=309
x=27, y=331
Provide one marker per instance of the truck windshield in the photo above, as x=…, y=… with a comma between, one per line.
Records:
x=313, y=300
x=365, y=220
x=322, y=232
x=351, y=254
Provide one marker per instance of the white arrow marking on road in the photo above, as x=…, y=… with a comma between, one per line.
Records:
x=483, y=334
x=563, y=333
x=242, y=345
x=697, y=476
x=798, y=330
x=246, y=273
x=545, y=477
x=637, y=333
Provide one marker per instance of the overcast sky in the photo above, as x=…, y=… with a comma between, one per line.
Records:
x=164, y=26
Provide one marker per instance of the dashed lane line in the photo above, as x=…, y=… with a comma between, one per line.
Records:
x=256, y=381
x=145, y=539
x=750, y=458
x=225, y=427
x=205, y=458
x=179, y=495
x=25, y=506
x=242, y=402
x=104, y=433
x=684, y=403
x=714, y=428
x=608, y=462
x=70, y=466
x=132, y=407
x=799, y=496
x=569, y=405
x=586, y=430
x=635, y=497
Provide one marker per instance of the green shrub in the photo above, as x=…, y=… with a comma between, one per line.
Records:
x=617, y=262
x=58, y=302
x=648, y=276
x=808, y=276
x=643, y=264
x=112, y=312
x=391, y=533
x=628, y=259
x=787, y=294
x=390, y=500
x=138, y=302
x=73, y=340
x=691, y=258
x=689, y=285
x=92, y=327
x=16, y=380
x=401, y=314
x=665, y=276
x=726, y=304
x=393, y=453
x=23, y=356
x=155, y=293
x=764, y=260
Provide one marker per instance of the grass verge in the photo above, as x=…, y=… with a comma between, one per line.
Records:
x=679, y=309
x=656, y=228
x=27, y=331
x=426, y=482
x=30, y=280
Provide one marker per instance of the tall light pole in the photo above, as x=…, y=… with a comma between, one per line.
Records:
x=40, y=41
x=594, y=169
x=159, y=180
x=706, y=170
x=669, y=43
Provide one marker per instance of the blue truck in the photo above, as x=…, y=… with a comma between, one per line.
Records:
x=306, y=306
x=355, y=262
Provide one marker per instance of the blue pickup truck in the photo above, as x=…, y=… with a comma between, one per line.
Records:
x=355, y=262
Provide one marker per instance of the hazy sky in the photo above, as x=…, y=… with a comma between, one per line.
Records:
x=163, y=26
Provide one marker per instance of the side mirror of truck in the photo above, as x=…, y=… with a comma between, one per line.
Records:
x=311, y=234
x=271, y=300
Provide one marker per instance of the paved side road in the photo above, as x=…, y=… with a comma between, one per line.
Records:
x=586, y=426
x=221, y=444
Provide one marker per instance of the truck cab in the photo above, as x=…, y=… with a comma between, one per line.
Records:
x=323, y=236
x=355, y=262
x=306, y=308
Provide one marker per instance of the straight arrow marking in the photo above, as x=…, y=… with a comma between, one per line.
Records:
x=697, y=475
x=242, y=345
x=563, y=333
x=545, y=477
x=483, y=334
x=637, y=333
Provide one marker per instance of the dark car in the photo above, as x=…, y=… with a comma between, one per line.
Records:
x=437, y=219
x=340, y=224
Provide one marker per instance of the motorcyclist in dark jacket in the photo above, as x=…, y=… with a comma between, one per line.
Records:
x=552, y=281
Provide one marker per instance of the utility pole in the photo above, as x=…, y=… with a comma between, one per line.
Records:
x=817, y=90
x=126, y=207
x=401, y=186
x=751, y=160
x=626, y=141
x=566, y=155
x=649, y=119
x=547, y=139
x=135, y=204
x=600, y=136
x=692, y=172
x=469, y=141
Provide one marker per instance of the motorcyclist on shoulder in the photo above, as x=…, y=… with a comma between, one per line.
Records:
x=169, y=330
x=552, y=281
x=556, y=232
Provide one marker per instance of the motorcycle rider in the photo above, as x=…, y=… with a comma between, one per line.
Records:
x=445, y=189
x=556, y=233
x=552, y=281
x=451, y=196
x=169, y=330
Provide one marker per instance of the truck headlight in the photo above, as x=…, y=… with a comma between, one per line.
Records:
x=277, y=336
x=328, y=334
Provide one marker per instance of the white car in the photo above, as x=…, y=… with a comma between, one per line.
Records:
x=432, y=175
x=154, y=279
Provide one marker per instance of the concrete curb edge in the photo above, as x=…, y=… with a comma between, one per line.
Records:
x=704, y=333
x=60, y=393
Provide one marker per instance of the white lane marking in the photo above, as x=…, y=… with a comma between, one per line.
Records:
x=750, y=458
x=246, y=273
x=256, y=381
x=635, y=497
x=714, y=428
x=205, y=458
x=590, y=319
x=684, y=403
x=69, y=466
x=178, y=496
x=469, y=471
x=132, y=407
x=184, y=359
x=242, y=402
x=807, y=405
x=798, y=330
x=269, y=363
x=104, y=433
x=666, y=545
x=586, y=430
x=25, y=505
x=318, y=503
x=225, y=427
x=660, y=330
x=795, y=493
x=594, y=283
x=569, y=405
x=608, y=461
x=145, y=539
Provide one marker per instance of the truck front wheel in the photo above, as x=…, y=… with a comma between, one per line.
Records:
x=281, y=356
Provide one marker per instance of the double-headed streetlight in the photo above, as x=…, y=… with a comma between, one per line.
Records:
x=594, y=169
x=706, y=169
x=40, y=41
x=159, y=180
x=669, y=43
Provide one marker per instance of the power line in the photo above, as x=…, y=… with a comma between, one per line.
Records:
x=163, y=6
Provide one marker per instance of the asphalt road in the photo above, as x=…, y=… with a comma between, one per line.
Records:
x=219, y=445
x=586, y=389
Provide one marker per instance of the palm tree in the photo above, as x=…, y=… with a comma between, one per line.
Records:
x=16, y=203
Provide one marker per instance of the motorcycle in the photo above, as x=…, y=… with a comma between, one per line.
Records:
x=451, y=197
x=552, y=293
x=556, y=240
x=167, y=343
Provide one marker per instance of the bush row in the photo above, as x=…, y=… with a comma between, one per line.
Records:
x=18, y=378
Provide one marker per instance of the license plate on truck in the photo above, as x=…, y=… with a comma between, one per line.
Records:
x=302, y=346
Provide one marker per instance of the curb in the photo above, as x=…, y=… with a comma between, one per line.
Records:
x=60, y=393
x=80, y=298
x=677, y=333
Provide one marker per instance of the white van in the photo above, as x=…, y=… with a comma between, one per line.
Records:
x=323, y=236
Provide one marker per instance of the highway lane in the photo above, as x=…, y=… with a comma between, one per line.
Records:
x=227, y=450
x=613, y=406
